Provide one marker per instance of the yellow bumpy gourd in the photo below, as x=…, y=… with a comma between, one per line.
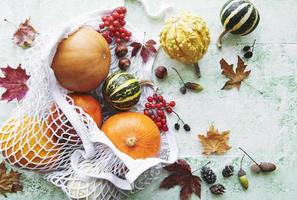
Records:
x=185, y=38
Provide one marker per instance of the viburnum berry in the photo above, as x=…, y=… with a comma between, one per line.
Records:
x=150, y=99
x=148, y=105
x=169, y=110
x=114, y=23
x=126, y=38
x=122, y=16
x=156, y=107
x=115, y=15
x=128, y=33
x=159, y=124
x=153, y=117
x=123, y=23
x=118, y=40
x=101, y=26
x=160, y=98
x=146, y=112
x=165, y=128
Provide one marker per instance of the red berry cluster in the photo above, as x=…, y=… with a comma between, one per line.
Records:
x=112, y=26
x=156, y=107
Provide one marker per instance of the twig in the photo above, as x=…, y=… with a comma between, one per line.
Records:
x=248, y=156
x=201, y=167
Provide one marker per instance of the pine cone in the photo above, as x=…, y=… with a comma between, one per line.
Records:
x=228, y=171
x=217, y=189
x=208, y=175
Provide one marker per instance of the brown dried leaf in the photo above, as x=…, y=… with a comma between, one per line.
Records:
x=25, y=34
x=181, y=175
x=9, y=181
x=235, y=77
x=214, y=142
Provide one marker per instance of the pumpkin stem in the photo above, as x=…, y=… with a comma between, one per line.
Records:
x=197, y=70
x=219, y=42
x=131, y=141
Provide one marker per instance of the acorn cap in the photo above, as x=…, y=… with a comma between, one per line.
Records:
x=241, y=172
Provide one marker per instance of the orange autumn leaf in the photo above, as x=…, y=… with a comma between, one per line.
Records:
x=214, y=142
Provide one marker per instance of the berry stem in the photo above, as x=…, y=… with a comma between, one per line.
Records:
x=179, y=75
x=253, y=45
x=197, y=69
x=201, y=167
x=219, y=41
x=179, y=119
x=11, y=23
x=248, y=156
x=253, y=87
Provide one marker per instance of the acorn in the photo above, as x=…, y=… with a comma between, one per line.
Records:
x=262, y=167
x=243, y=180
x=121, y=50
x=124, y=63
x=238, y=17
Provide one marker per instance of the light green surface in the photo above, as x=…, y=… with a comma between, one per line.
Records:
x=265, y=125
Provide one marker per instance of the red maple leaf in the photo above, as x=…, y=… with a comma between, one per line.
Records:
x=181, y=175
x=146, y=49
x=14, y=81
x=25, y=34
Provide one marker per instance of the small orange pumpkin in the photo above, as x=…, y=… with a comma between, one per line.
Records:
x=134, y=134
x=87, y=103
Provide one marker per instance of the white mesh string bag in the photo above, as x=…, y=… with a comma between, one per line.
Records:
x=40, y=134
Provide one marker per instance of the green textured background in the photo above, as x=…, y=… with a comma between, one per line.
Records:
x=265, y=125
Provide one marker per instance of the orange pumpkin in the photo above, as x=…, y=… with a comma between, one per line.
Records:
x=87, y=103
x=134, y=134
x=82, y=60
x=29, y=144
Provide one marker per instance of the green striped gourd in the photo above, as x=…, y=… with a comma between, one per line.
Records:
x=121, y=90
x=238, y=17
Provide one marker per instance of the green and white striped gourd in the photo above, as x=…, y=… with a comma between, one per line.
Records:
x=239, y=17
x=121, y=90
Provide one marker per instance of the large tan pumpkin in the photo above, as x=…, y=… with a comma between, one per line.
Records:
x=82, y=60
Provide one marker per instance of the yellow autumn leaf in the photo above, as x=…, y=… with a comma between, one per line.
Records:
x=215, y=142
